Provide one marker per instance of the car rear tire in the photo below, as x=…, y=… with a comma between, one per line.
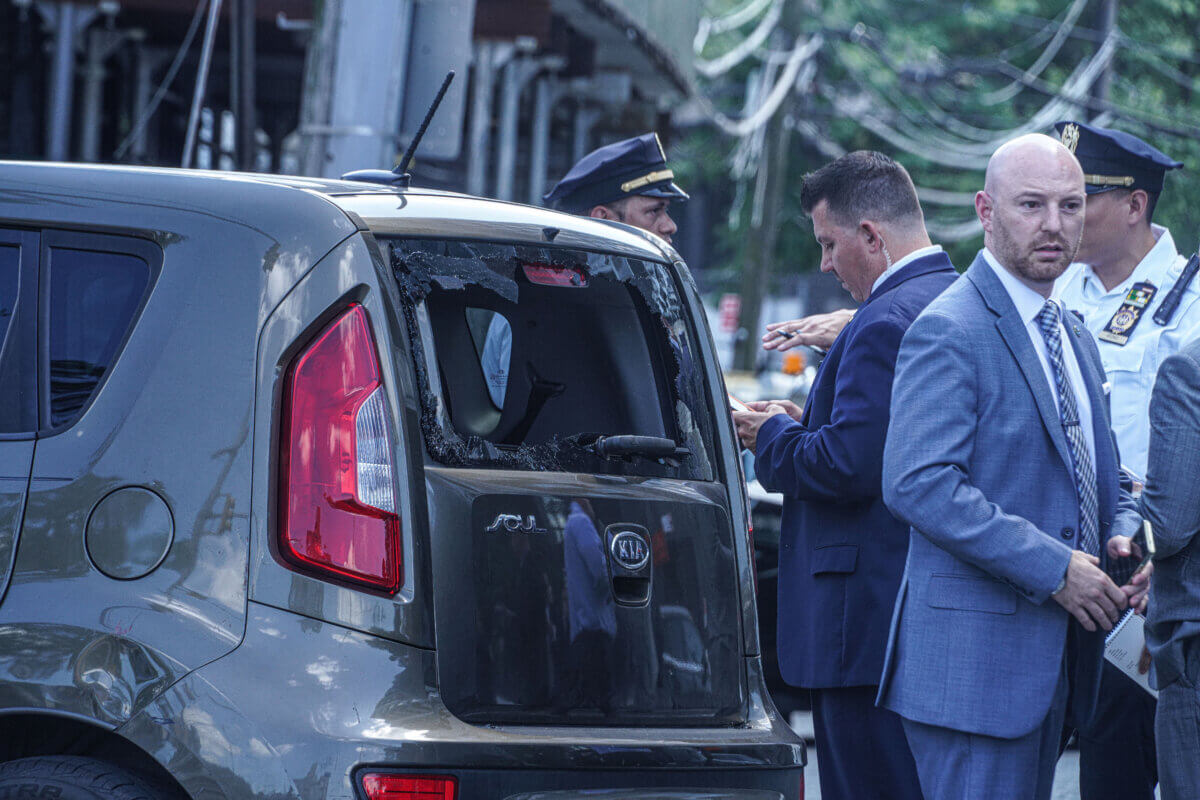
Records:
x=72, y=778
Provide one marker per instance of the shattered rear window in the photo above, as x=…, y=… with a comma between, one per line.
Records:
x=533, y=355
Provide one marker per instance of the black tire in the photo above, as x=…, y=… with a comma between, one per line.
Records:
x=71, y=778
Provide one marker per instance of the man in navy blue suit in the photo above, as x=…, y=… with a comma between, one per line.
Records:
x=842, y=553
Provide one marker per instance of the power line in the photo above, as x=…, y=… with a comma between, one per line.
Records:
x=1006, y=93
x=758, y=37
x=957, y=153
x=738, y=17
x=791, y=76
x=165, y=84
x=984, y=66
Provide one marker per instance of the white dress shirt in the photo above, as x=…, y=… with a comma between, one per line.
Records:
x=904, y=262
x=1029, y=303
x=1131, y=367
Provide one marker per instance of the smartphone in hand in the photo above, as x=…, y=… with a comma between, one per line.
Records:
x=1122, y=570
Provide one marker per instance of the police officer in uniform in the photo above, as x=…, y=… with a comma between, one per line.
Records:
x=1132, y=291
x=627, y=181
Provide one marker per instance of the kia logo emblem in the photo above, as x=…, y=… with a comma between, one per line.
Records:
x=629, y=550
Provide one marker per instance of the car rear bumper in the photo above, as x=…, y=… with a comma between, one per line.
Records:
x=302, y=707
x=744, y=784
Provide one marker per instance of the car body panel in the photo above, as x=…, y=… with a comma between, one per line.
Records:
x=351, y=272
x=324, y=718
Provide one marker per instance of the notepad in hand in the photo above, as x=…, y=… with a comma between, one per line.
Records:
x=1123, y=648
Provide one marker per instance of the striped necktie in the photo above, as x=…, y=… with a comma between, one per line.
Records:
x=1068, y=410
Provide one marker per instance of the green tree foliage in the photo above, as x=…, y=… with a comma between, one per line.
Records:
x=938, y=84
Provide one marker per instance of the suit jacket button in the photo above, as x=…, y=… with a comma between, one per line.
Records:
x=1068, y=533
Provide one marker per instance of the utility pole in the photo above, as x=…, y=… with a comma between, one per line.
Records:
x=766, y=208
x=1108, y=23
x=760, y=256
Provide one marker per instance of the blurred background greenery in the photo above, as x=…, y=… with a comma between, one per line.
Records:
x=937, y=85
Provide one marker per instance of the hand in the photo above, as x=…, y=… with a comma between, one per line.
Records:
x=1090, y=595
x=816, y=330
x=1138, y=589
x=748, y=423
x=791, y=409
x=1144, y=661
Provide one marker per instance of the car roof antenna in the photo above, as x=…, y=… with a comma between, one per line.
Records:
x=400, y=176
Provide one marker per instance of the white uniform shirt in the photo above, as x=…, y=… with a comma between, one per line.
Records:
x=1131, y=367
x=1029, y=303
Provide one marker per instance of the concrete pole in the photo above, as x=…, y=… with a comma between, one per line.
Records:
x=548, y=92
x=101, y=44
x=488, y=56
x=516, y=75
x=58, y=137
x=585, y=119
x=93, y=87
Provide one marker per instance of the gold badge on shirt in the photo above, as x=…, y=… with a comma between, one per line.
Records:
x=1120, y=327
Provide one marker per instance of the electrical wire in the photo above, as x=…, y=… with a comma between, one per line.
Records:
x=723, y=63
x=1006, y=93
x=739, y=16
x=165, y=83
x=728, y=22
x=791, y=76
x=957, y=153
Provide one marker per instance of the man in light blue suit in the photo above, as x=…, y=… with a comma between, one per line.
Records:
x=1000, y=456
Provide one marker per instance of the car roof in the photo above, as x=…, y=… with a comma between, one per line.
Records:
x=276, y=204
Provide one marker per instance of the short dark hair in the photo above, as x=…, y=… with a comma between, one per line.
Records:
x=862, y=185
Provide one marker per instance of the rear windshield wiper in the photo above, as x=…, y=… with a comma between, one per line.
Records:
x=625, y=446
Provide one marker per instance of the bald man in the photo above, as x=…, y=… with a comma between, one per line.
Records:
x=1000, y=457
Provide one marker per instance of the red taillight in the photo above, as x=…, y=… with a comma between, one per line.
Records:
x=337, y=489
x=409, y=787
x=547, y=275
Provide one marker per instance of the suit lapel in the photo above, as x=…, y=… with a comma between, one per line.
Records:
x=828, y=366
x=1016, y=336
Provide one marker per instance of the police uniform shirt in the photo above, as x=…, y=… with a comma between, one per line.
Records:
x=1131, y=367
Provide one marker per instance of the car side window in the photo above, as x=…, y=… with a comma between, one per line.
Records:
x=93, y=297
x=18, y=353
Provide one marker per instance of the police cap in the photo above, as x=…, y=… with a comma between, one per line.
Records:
x=1114, y=159
x=614, y=172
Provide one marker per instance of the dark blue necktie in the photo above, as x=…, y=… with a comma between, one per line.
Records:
x=1068, y=411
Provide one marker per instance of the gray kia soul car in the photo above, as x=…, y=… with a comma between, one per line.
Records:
x=317, y=489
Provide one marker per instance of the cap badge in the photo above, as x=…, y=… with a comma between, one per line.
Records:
x=1070, y=136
